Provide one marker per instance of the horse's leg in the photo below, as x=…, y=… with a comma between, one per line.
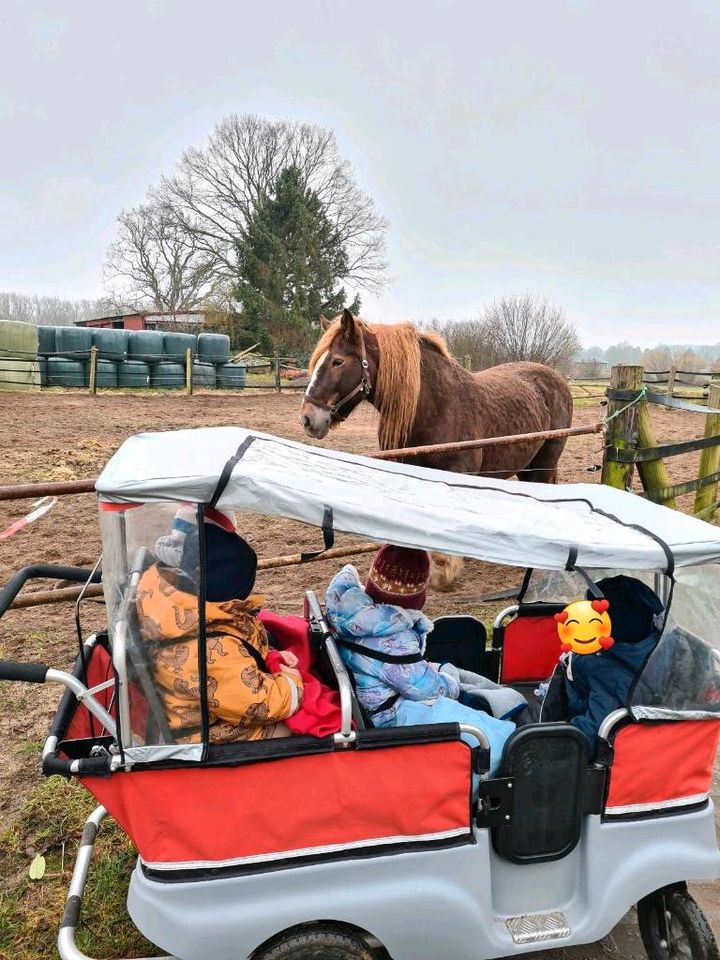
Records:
x=444, y=570
x=543, y=466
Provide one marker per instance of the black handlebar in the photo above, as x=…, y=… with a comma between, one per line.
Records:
x=27, y=672
x=89, y=766
x=44, y=571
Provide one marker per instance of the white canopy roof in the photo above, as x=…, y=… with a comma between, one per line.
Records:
x=501, y=521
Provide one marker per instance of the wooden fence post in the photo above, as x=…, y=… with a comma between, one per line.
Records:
x=278, y=385
x=653, y=473
x=93, y=369
x=671, y=381
x=630, y=429
x=706, y=499
x=188, y=371
x=622, y=429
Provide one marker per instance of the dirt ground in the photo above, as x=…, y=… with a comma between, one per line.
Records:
x=51, y=436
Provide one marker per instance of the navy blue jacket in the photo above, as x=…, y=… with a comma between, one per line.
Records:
x=601, y=683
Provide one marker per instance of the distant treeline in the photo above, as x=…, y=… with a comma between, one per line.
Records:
x=705, y=357
x=51, y=311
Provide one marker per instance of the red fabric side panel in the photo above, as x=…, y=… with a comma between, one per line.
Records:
x=217, y=814
x=531, y=649
x=659, y=763
x=99, y=669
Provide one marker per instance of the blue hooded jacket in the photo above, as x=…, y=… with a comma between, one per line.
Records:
x=389, y=629
x=420, y=694
x=596, y=684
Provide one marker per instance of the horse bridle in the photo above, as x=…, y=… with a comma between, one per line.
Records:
x=364, y=387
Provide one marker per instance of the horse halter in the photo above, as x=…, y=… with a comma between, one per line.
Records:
x=364, y=387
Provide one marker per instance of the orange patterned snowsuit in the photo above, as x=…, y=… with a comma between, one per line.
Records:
x=244, y=703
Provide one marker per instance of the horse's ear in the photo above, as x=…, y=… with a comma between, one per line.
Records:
x=325, y=324
x=347, y=325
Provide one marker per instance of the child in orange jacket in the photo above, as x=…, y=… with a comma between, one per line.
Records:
x=245, y=701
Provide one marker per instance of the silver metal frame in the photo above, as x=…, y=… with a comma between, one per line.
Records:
x=67, y=948
x=84, y=696
x=346, y=735
x=612, y=720
x=498, y=621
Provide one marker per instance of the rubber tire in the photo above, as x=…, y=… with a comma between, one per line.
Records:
x=684, y=912
x=319, y=944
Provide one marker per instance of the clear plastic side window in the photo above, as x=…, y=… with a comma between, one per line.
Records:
x=150, y=580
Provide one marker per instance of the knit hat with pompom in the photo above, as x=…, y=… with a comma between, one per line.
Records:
x=399, y=575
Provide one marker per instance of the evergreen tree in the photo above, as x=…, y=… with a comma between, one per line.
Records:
x=290, y=260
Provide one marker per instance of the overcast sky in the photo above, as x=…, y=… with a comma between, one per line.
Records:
x=565, y=148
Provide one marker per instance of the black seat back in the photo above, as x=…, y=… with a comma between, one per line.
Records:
x=462, y=641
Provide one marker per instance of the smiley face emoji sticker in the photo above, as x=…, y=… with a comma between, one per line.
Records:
x=584, y=626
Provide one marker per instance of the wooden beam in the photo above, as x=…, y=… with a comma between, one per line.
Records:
x=710, y=458
x=432, y=448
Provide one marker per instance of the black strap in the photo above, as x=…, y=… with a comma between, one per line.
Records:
x=572, y=558
x=385, y=705
x=228, y=469
x=255, y=654
x=328, y=536
x=378, y=654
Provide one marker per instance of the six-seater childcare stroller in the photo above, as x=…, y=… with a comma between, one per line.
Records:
x=394, y=842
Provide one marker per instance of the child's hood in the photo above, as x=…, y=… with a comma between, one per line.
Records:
x=352, y=610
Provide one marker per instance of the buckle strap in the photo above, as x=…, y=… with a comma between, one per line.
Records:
x=385, y=705
x=378, y=654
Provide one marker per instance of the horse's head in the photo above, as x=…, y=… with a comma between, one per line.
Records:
x=341, y=376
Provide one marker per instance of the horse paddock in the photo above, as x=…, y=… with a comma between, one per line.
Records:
x=63, y=436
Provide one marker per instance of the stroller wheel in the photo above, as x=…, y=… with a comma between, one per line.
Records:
x=321, y=943
x=673, y=927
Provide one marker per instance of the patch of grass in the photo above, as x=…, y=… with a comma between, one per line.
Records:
x=50, y=822
x=30, y=748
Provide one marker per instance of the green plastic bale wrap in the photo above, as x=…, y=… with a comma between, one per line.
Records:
x=146, y=345
x=176, y=346
x=167, y=376
x=213, y=347
x=73, y=342
x=46, y=341
x=111, y=344
x=19, y=367
x=203, y=374
x=107, y=375
x=42, y=363
x=232, y=376
x=133, y=373
x=62, y=372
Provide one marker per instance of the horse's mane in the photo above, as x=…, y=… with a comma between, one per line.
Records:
x=397, y=388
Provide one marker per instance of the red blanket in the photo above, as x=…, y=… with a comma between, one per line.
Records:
x=319, y=713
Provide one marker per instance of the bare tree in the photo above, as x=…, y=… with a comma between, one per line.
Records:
x=155, y=261
x=520, y=327
x=467, y=338
x=216, y=187
x=524, y=327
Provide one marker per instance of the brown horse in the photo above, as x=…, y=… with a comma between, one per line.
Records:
x=424, y=396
